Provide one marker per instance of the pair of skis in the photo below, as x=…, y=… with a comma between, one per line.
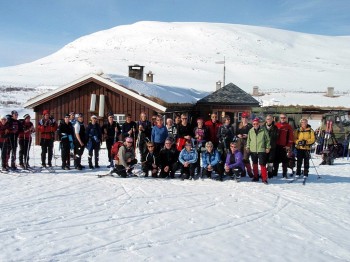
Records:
x=304, y=178
x=327, y=135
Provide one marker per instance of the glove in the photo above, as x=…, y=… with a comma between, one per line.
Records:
x=302, y=143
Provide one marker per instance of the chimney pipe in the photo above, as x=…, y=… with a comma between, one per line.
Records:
x=255, y=91
x=149, y=77
x=330, y=91
x=218, y=85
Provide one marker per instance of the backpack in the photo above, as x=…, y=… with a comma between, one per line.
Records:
x=115, y=149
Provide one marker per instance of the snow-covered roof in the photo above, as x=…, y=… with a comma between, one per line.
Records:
x=304, y=99
x=140, y=90
x=168, y=94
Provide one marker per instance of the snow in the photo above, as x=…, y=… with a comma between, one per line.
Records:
x=185, y=55
x=75, y=216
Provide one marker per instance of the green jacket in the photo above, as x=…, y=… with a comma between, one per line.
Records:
x=258, y=142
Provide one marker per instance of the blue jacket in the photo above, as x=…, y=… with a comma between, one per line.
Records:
x=188, y=156
x=212, y=158
x=159, y=134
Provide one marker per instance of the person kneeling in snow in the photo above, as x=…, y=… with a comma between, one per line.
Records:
x=211, y=161
x=188, y=159
x=234, y=165
x=150, y=161
x=126, y=158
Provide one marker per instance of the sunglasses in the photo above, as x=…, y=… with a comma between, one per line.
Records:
x=150, y=146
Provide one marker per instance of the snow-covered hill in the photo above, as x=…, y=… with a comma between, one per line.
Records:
x=184, y=54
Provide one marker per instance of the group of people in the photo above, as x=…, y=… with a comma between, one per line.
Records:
x=211, y=148
x=14, y=132
x=217, y=150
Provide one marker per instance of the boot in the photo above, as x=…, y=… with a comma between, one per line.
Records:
x=249, y=170
x=256, y=172
x=263, y=173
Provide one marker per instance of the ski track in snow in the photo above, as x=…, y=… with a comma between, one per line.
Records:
x=79, y=217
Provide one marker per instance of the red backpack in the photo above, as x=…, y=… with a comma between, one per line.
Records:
x=115, y=149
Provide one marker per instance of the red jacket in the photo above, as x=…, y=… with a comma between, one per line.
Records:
x=47, y=128
x=27, y=130
x=4, y=132
x=213, y=131
x=285, y=134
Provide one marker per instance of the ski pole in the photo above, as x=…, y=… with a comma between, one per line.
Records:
x=309, y=155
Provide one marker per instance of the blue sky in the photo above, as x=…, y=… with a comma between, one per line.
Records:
x=30, y=30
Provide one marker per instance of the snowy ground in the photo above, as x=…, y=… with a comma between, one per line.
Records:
x=75, y=216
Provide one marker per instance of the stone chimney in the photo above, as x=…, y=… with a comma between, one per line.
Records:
x=255, y=91
x=136, y=71
x=149, y=77
x=218, y=85
x=330, y=91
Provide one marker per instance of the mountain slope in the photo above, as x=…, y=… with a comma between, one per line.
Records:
x=184, y=54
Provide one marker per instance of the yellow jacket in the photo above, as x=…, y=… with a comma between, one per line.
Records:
x=307, y=135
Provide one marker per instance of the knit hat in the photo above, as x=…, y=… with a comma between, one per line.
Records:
x=256, y=120
x=25, y=116
x=245, y=114
x=80, y=115
x=46, y=112
x=3, y=117
x=93, y=116
x=14, y=112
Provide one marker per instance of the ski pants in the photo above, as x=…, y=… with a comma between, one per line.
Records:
x=24, y=147
x=46, y=148
x=303, y=155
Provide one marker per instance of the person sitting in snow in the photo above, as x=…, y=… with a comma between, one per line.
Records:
x=150, y=161
x=126, y=158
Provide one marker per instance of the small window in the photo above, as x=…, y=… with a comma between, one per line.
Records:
x=119, y=118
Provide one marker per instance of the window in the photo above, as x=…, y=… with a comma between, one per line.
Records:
x=120, y=118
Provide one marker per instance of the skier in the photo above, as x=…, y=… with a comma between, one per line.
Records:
x=213, y=126
x=258, y=145
x=126, y=158
x=93, y=136
x=159, y=134
x=47, y=127
x=150, y=161
x=144, y=134
x=111, y=131
x=234, y=165
x=284, y=143
x=129, y=128
x=211, y=161
x=168, y=159
x=66, y=133
x=4, y=142
x=79, y=141
x=188, y=159
x=242, y=135
x=25, y=141
x=304, y=137
x=273, y=134
x=16, y=128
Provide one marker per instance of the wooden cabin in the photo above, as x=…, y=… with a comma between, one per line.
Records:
x=228, y=100
x=96, y=95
